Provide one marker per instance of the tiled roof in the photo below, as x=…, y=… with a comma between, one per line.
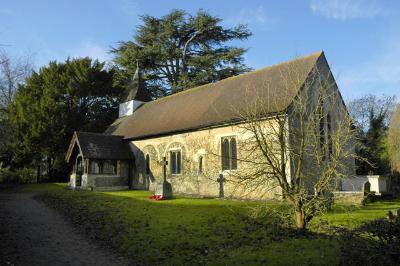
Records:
x=216, y=103
x=100, y=146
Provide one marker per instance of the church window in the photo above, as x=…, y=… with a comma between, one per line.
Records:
x=228, y=153
x=175, y=162
x=200, y=164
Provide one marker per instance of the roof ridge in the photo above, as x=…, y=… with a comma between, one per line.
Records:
x=317, y=54
x=95, y=133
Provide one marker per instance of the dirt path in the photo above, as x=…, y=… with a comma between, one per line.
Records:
x=33, y=234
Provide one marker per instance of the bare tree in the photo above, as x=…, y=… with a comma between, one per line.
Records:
x=367, y=108
x=300, y=153
x=371, y=115
x=13, y=71
x=394, y=139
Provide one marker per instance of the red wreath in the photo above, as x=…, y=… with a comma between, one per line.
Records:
x=156, y=197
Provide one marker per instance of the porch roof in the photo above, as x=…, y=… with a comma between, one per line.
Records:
x=100, y=146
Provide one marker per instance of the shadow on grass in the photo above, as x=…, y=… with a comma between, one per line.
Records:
x=32, y=188
x=187, y=231
x=375, y=242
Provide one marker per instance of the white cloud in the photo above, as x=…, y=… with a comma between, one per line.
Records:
x=346, y=9
x=252, y=16
x=90, y=49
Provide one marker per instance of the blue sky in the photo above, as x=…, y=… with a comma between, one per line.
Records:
x=361, y=38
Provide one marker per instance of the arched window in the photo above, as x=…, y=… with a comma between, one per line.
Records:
x=225, y=153
x=175, y=162
x=233, y=154
x=147, y=172
x=228, y=153
x=200, y=164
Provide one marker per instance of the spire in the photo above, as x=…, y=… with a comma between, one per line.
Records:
x=136, y=89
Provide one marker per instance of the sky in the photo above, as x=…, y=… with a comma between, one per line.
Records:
x=360, y=38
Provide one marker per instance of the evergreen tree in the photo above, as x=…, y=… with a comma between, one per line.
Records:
x=372, y=115
x=63, y=97
x=179, y=51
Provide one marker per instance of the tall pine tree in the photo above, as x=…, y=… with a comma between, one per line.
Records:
x=179, y=51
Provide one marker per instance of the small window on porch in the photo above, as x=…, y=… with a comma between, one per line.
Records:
x=109, y=167
x=95, y=167
x=106, y=167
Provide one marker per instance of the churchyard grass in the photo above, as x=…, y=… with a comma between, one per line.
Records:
x=201, y=231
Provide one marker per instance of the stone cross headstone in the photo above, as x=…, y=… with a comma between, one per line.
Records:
x=164, y=165
x=221, y=179
x=164, y=189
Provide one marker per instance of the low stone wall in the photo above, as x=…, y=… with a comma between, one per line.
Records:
x=349, y=197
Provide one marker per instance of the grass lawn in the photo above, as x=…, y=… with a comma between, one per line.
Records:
x=200, y=231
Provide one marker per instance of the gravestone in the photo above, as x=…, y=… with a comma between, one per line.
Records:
x=221, y=179
x=164, y=189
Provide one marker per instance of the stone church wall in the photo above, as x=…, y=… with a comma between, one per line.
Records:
x=193, y=145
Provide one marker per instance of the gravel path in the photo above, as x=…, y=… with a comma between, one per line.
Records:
x=33, y=234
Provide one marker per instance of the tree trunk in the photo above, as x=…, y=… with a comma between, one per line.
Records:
x=300, y=220
x=300, y=216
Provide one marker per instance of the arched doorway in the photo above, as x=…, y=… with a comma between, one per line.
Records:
x=79, y=171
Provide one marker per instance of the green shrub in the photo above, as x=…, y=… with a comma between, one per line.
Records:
x=17, y=176
x=374, y=243
x=369, y=198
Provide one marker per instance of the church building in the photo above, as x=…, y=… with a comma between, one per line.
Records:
x=196, y=132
